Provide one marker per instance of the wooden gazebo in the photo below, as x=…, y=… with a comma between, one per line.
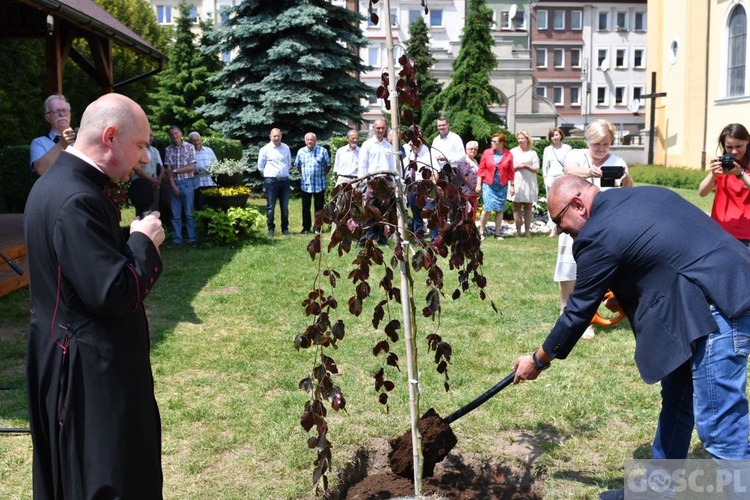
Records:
x=59, y=22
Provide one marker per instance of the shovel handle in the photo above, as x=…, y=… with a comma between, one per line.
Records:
x=481, y=399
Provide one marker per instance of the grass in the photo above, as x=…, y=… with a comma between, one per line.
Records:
x=226, y=373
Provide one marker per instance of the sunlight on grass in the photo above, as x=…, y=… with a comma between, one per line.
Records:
x=226, y=374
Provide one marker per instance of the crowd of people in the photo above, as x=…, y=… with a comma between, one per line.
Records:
x=88, y=365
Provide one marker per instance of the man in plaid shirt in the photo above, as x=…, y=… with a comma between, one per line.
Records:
x=179, y=158
x=314, y=163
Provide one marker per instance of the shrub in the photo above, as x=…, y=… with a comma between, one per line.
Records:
x=672, y=177
x=230, y=149
x=230, y=226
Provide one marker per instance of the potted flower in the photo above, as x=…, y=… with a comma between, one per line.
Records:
x=227, y=172
x=221, y=198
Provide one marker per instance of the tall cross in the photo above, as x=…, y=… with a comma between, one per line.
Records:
x=653, y=96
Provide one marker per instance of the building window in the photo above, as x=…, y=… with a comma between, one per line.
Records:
x=602, y=55
x=376, y=11
x=640, y=21
x=414, y=15
x=541, y=19
x=224, y=17
x=541, y=58
x=736, y=43
x=575, y=96
x=225, y=56
x=576, y=20
x=541, y=91
x=436, y=17
x=519, y=22
x=621, y=58
x=620, y=95
x=601, y=96
x=559, y=56
x=603, y=21
x=637, y=93
x=372, y=99
x=558, y=20
x=504, y=20
x=639, y=58
x=394, y=17
x=622, y=21
x=373, y=56
x=193, y=14
x=557, y=96
x=164, y=14
x=575, y=58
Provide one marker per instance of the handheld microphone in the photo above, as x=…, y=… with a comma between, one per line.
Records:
x=141, y=194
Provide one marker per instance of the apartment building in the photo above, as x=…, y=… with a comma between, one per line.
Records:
x=590, y=61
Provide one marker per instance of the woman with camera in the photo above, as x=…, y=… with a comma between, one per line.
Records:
x=729, y=177
x=601, y=168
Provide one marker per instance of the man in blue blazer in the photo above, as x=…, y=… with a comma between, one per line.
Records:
x=684, y=283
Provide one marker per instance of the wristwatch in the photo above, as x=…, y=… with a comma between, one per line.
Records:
x=742, y=172
x=538, y=364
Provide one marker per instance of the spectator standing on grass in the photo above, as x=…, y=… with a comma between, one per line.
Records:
x=425, y=160
x=204, y=157
x=553, y=165
x=313, y=163
x=684, y=284
x=347, y=159
x=179, y=158
x=274, y=162
x=467, y=168
x=587, y=164
x=731, y=206
x=525, y=167
x=376, y=155
x=448, y=146
x=153, y=171
x=494, y=176
x=45, y=149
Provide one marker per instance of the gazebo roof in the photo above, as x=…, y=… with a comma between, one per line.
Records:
x=85, y=15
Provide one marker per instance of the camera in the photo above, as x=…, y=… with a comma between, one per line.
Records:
x=610, y=175
x=727, y=162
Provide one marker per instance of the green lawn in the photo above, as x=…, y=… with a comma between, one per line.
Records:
x=223, y=321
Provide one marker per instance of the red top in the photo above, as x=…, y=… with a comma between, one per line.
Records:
x=731, y=207
x=487, y=167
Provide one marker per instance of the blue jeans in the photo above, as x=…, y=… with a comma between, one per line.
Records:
x=717, y=395
x=277, y=188
x=183, y=202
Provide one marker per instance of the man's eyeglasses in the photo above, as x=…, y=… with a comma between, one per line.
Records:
x=58, y=112
x=557, y=219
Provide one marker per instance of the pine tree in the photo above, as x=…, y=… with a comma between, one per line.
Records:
x=418, y=50
x=185, y=86
x=466, y=99
x=295, y=68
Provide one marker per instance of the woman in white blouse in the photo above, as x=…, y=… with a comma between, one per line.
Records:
x=526, y=166
x=553, y=164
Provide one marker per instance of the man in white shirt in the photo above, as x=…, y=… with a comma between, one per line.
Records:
x=376, y=155
x=274, y=161
x=448, y=146
x=204, y=157
x=346, y=163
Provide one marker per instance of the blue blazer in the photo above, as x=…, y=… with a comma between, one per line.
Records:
x=666, y=262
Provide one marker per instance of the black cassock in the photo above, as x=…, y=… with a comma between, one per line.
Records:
x=94, y=421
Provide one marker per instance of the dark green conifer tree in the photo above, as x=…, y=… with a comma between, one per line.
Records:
x=295, y=67
x=418, y=50
x=185, y=85
x=466, y=99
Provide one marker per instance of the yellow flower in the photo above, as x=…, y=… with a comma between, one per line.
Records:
x=225, y=191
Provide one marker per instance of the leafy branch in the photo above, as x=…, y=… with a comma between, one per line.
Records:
x=351, y=211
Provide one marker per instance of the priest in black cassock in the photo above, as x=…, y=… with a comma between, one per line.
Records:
x=94, y=421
